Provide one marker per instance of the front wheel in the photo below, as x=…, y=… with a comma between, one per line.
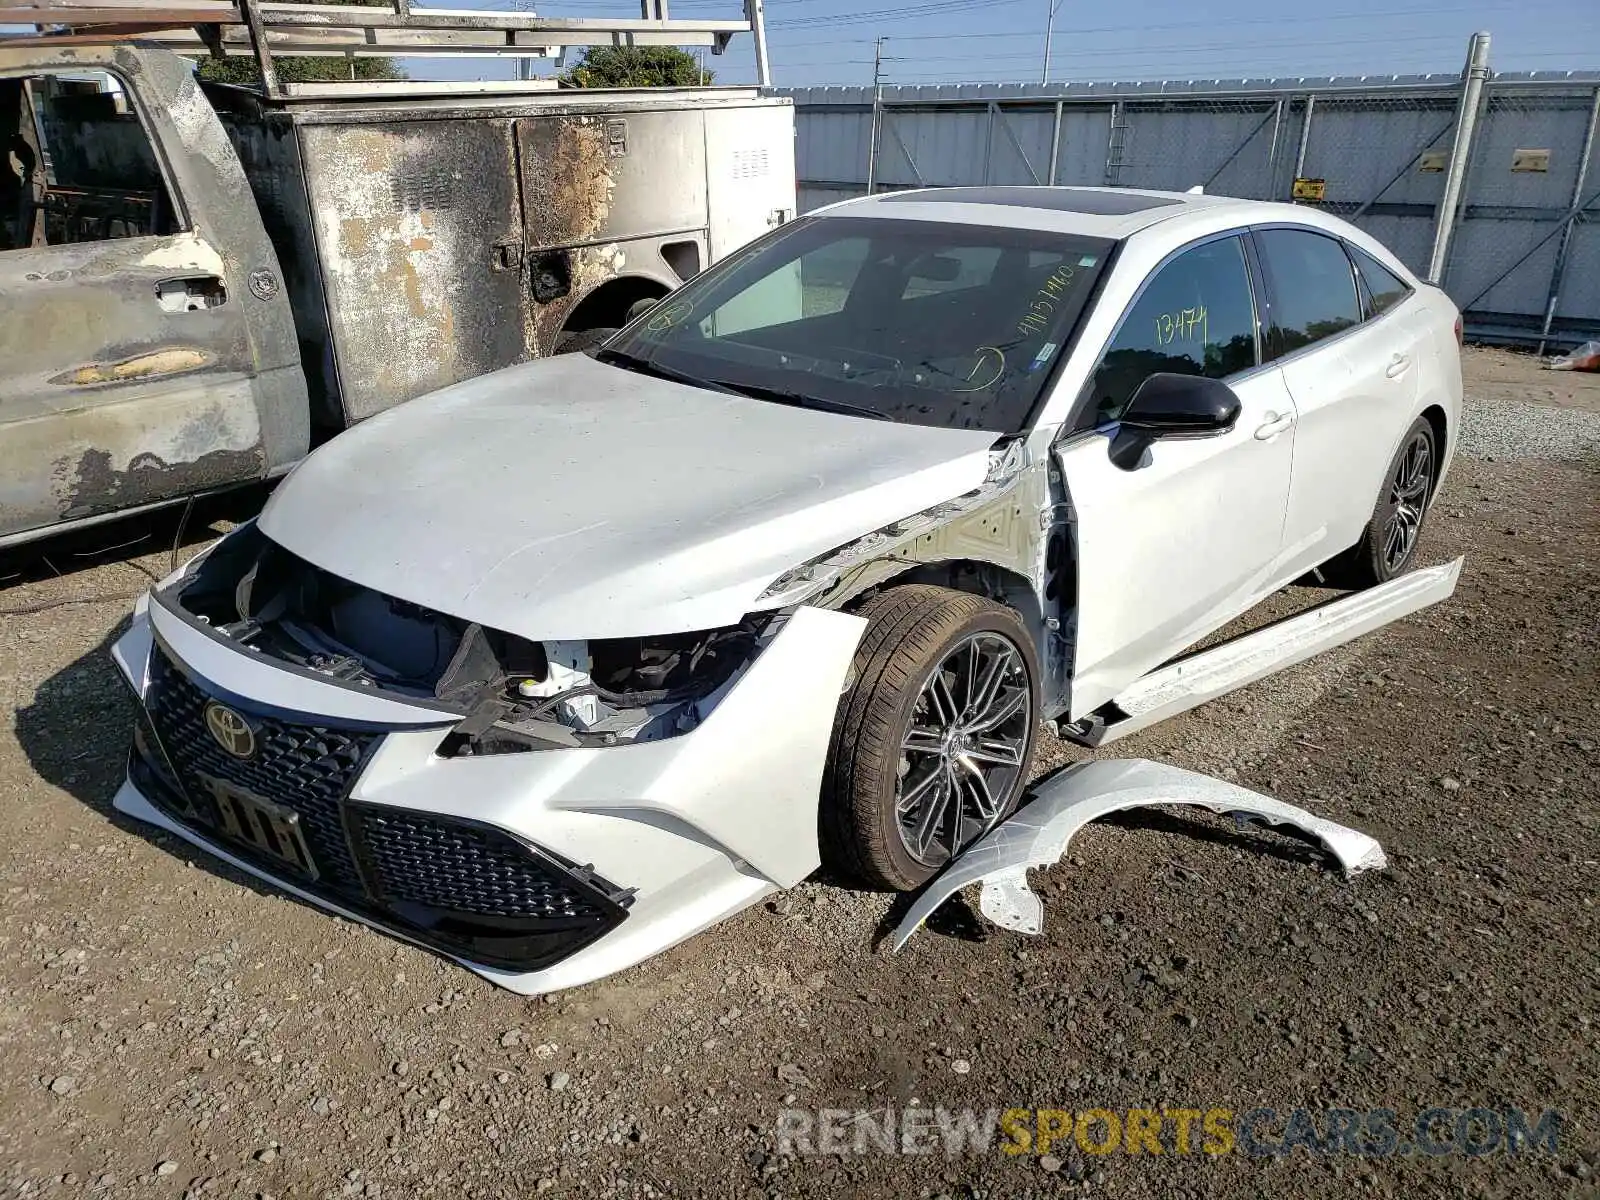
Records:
x=932, y=743
x=1389, y=542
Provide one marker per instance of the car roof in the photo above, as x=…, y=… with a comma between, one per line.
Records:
x=1160, y=219
x=1092, y=211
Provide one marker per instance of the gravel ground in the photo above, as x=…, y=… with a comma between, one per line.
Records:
x=1520, y=429
x=170, y=1028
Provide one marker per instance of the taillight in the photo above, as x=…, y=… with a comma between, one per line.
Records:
x=1459, y=340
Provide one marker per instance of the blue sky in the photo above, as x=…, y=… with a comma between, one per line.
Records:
x=933, y=41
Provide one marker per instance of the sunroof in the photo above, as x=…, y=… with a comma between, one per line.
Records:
x=1058, y=199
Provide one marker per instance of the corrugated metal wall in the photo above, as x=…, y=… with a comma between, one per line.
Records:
x=1522, y=234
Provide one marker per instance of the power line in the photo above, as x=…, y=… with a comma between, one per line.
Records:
x=939, y=6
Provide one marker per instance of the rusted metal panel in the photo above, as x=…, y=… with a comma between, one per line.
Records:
x=598, y=178
x=420, y=241
x=600, y=192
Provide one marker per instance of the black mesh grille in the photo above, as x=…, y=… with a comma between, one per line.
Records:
x=307, y=768
x=420, y=859
x=462, y=887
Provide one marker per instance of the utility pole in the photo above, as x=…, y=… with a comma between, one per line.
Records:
x=877, y=109
x=1049, y=26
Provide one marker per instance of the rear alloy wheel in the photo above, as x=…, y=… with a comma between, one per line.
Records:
x=1389, y=542
x=932, y=743
x=1408, y=499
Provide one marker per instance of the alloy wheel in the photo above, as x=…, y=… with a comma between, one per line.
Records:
x=962, y=755
x=1408, y=499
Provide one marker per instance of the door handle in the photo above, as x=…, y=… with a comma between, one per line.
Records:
x=1274, y=426
x=191, y=293
x=1397, y=366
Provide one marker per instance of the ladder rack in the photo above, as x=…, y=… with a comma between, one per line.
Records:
x=267, y=28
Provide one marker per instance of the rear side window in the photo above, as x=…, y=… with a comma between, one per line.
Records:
x=1381, y=288
x=1195, y=317
x=1313, y=287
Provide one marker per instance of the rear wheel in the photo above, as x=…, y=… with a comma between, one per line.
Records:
x=932, y=743
x=1389, y=542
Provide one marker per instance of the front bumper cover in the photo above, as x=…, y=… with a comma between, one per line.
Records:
x=505, y=862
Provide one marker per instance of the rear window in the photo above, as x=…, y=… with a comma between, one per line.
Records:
x=1313, y=287
x=1381, y=288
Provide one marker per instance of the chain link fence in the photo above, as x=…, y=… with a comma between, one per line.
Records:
x=1519, y=251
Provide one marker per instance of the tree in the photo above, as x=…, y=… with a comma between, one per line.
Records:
x=635, y=66
x=301, y=69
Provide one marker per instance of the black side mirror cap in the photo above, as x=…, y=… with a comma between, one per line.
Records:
x=1168, y=405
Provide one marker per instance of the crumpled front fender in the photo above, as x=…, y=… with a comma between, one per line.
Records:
x=1039, y=833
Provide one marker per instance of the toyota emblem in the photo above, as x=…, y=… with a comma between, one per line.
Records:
x=230, y=731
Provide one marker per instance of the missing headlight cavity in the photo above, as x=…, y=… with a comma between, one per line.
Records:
x=260, y=595
x=617, y=689
x=515, y=694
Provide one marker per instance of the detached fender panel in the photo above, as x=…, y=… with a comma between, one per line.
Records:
x=1038, y=835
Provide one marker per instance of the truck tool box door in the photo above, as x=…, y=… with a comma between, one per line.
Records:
x=420, y=241
x=146, y=345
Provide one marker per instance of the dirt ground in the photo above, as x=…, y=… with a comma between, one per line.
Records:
x=169, y=1028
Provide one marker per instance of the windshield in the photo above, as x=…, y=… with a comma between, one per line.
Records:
x=913, y=321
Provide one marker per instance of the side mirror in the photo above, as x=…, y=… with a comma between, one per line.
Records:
x=639, y=307
x=1166, y=405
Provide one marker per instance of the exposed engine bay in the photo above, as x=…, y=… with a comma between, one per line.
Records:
x=514, y=694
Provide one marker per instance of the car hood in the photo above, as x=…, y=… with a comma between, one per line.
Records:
x=569, y=499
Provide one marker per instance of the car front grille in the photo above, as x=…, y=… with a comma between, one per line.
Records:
x=459, y=886
x=306, y=768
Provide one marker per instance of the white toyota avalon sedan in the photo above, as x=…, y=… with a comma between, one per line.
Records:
x=556, y=667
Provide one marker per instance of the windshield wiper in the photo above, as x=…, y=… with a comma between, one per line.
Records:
x=800, y=400
x=643, y=366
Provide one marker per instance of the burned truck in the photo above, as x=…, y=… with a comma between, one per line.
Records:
x=200, y=282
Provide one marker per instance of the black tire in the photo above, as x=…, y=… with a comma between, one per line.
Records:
x=912, y=631
x=580, y=340
x=1388, y=544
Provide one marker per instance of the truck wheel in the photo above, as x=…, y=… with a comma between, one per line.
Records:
x=582, y=339
x=1389, y=542
x=932, y=742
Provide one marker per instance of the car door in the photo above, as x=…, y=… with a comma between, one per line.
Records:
x=1189, y=537
x=1352, y=370
x=147, y=349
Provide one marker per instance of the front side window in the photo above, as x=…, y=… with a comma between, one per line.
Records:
x=1313, y=287
x=75, y=163
x=1195, y=317
x=1381, y=288
x=923, y=322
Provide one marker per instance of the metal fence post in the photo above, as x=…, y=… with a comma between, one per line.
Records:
x=1305, y=140
x=1477, y=70
x=1055, y=144
x=988, y=141
x=1272, y=153
x=1559, y=271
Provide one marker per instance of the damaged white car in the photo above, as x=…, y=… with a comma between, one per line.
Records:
x=554, y=668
